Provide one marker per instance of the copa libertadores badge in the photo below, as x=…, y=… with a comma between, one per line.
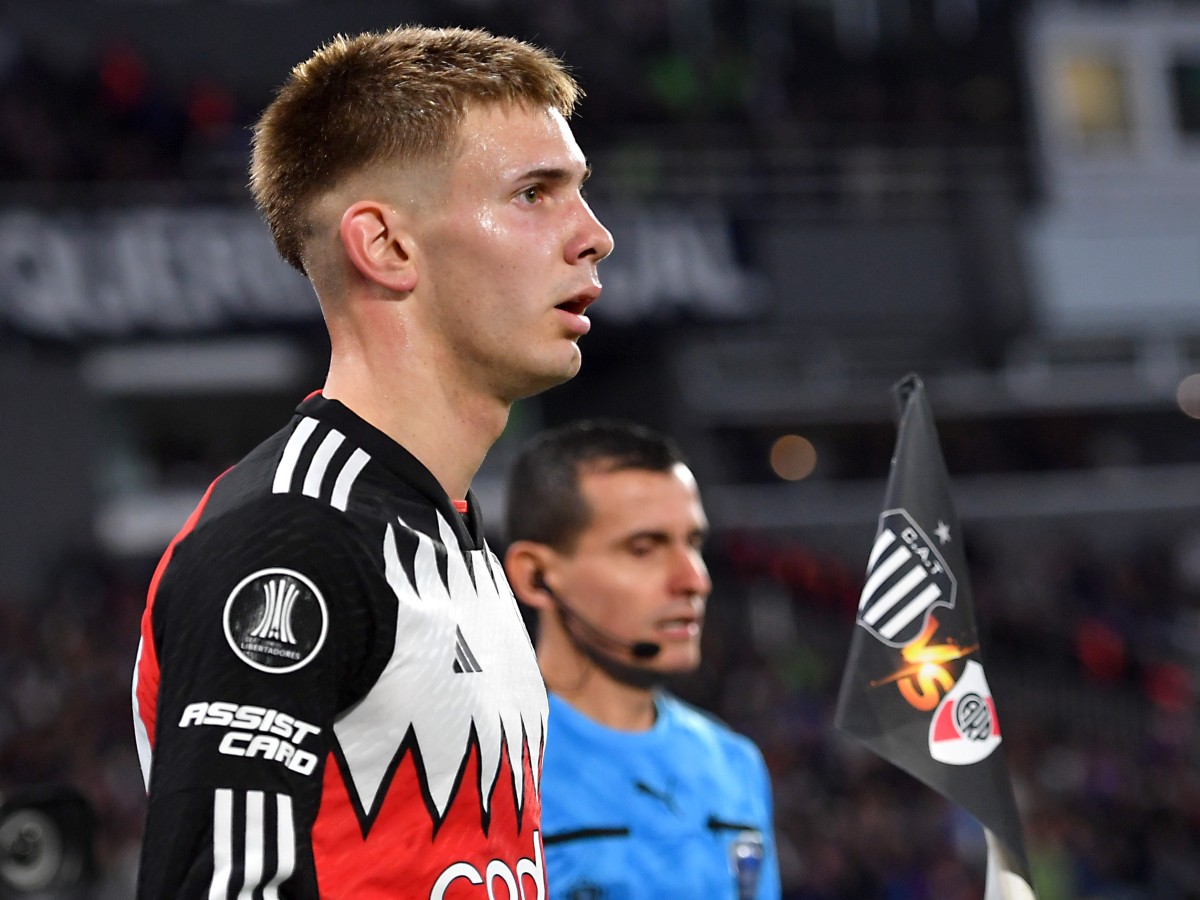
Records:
x=276, y=620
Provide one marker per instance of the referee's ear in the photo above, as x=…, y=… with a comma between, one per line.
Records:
x=526, y=564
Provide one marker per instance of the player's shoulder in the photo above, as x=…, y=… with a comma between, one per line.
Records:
x=307, y=463
x=333, y=462
x=268, y=551
x=277, y=520
x=311, y=475
x=325, y=486
x=276, y=506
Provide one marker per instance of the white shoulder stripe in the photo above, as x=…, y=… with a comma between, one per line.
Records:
x=320, y=462
x=317, y=471
x=291, y=454
x=345, y=480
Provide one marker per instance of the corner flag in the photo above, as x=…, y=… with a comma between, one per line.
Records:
x=914, y=689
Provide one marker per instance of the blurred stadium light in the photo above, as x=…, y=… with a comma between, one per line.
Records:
x=46, y=844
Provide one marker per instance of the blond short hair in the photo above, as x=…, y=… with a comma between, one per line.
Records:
x=396, y=95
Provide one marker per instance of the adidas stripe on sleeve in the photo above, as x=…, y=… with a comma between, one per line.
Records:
x=254, y=844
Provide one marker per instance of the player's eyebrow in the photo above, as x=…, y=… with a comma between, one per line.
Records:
x=556, y=175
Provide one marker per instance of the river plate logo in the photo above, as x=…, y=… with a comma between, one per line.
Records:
x=964, y=729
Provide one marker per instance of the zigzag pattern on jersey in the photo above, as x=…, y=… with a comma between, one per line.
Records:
x=452, y=718
x=318, y=462
x=405, y=846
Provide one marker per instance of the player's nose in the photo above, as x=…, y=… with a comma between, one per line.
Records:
x=593, y=241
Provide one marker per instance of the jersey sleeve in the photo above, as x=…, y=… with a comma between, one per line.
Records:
x=265, y=625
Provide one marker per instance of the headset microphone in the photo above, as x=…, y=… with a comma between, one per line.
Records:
x=641, y=650
x=645, y=649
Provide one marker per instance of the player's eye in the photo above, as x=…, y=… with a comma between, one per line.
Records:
x=530, y=195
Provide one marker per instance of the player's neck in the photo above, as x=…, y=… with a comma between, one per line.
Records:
x=448, y=430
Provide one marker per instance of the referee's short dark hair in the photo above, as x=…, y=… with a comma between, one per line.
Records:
x=544, y=501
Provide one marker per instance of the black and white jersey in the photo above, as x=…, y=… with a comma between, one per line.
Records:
x=334, y=694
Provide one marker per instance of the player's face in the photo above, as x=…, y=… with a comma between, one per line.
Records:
x=511, y=252
x=637, y=571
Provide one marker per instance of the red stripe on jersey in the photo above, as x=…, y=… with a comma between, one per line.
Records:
x=460, y=505
x=147, y=673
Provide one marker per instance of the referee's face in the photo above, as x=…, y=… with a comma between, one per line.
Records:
x=637, y=571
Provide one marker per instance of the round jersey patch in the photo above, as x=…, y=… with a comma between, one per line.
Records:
x=276, y=620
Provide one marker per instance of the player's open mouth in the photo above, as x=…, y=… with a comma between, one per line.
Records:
x=576, y=323
x=576, y=305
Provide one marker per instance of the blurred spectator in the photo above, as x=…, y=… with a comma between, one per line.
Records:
x=769, y=65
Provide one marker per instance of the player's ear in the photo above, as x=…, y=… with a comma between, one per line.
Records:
x=378, y=245
x=525, y=563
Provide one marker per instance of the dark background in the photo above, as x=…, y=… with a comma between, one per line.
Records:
x=810, y=198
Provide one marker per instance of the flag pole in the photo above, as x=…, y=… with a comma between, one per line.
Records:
x=1004, y=880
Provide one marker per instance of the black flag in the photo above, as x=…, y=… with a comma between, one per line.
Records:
x=914, y=689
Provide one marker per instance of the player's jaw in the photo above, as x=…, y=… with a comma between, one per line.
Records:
x=546, y=352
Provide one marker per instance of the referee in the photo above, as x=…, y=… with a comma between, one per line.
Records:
x=642, y=795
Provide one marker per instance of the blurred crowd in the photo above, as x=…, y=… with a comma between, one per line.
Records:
x=120, y=117
x=65, y=719
x=114, y=121
x=1088, y=655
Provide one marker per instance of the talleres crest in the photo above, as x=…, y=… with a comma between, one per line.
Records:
x=906, y=578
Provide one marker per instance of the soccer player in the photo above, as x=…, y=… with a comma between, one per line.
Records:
x=334, y=693
x=642, y=795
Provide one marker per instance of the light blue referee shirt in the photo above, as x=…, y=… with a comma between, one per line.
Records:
x=682, y=810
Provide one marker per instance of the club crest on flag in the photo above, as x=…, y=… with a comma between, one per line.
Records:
x=906, y=578
x=964, y=729
x=939, y=723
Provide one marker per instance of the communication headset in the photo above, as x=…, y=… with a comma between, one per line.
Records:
x=593, y=637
